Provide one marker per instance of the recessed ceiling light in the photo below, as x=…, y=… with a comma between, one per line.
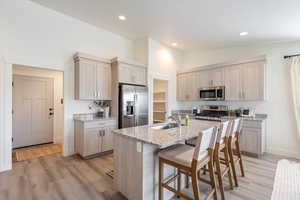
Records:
x=243, y=33
x=174, y=44
x=122, y=17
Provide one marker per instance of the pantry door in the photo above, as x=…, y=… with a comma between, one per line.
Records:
x=32, y=110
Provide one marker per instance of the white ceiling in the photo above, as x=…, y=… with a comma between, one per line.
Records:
x=190, y=23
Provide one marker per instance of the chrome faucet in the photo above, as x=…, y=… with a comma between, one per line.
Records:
x=177, y=120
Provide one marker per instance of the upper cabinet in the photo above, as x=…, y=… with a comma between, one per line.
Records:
x=233, y=83
x=183, y=87
x=130, y=72
x=243, y=81
x=92, y=78
x=211, y=77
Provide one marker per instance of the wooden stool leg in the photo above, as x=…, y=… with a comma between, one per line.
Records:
x=204, y=171
x=195, y=185
x=161, y=178
x=227, y=160
x=232, y=164
x=212, y=179
x=187, y=181
x=219, y=174
x=237, y=144
x=179, y=182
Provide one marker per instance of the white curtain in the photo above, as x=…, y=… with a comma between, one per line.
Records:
x=295, y=78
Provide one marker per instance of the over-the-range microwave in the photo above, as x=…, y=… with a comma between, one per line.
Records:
x=212, y=93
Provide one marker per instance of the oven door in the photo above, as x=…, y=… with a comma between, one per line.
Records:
x=208, y=94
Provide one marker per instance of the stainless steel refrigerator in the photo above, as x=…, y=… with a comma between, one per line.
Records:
x=133, y=105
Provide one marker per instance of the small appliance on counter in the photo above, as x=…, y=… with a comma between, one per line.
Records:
x=247, y=112
x=195, y=111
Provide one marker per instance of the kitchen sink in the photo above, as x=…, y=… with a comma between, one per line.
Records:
x=165, y=126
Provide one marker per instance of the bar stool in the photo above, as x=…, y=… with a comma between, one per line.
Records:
x=189, y=160
x=222, y=146
x=234, y=142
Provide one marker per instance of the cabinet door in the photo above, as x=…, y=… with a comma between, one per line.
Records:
x=132, y=74
x=189, y=86
x=251, y=141
x=217, y=77
x=103, y=81
x=86, y=80
x=205, y=80
x=181, y=82
x=92, y=142
x=185, y=87
x=233, y=84
x=108, y=139
x=253, y=81
x=196, y=85
x=140, y=76
x=180, y=87
x=125, y=75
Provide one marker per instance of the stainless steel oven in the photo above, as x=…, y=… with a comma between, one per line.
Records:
x=212, y=93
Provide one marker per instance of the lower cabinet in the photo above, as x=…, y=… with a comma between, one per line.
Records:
x=107, y=140
x=252, y=139
x=92, y=138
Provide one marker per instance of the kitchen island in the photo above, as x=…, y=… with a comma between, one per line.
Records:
x=136, y=156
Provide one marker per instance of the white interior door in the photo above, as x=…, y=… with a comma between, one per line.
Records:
x=33, y=110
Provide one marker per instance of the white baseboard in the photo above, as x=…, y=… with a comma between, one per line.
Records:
x=5, y=168
x=283, y=152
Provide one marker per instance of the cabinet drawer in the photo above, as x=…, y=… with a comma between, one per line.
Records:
x=100, y=124
x=252, y=124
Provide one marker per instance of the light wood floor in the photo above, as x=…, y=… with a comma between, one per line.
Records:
x=54, y=177
x=36, y=152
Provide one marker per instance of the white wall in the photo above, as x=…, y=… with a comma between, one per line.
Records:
x=5, y=117
x=162, y=64
x=36, y=36
x=58, y=91
x=282, y=136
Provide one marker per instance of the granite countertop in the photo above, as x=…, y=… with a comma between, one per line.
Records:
x=166, y=137
x=257, y=117
x=90, y=117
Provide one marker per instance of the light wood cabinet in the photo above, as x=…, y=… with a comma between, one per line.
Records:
x=217, y=77
x=189, y=84
x=92, y=78
x=107, y=139
x=252, y=139
x=253, y=81
x=233, y=83
x=186, y=87
x=93, y=140
x=94, y=137
x=131, y=73
x=245, y=82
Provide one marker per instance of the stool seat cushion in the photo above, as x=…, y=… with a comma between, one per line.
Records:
x=181, y=154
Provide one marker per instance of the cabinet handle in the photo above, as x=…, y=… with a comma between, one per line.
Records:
x=100, y=133
x=98, y=94
x=103, y=133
